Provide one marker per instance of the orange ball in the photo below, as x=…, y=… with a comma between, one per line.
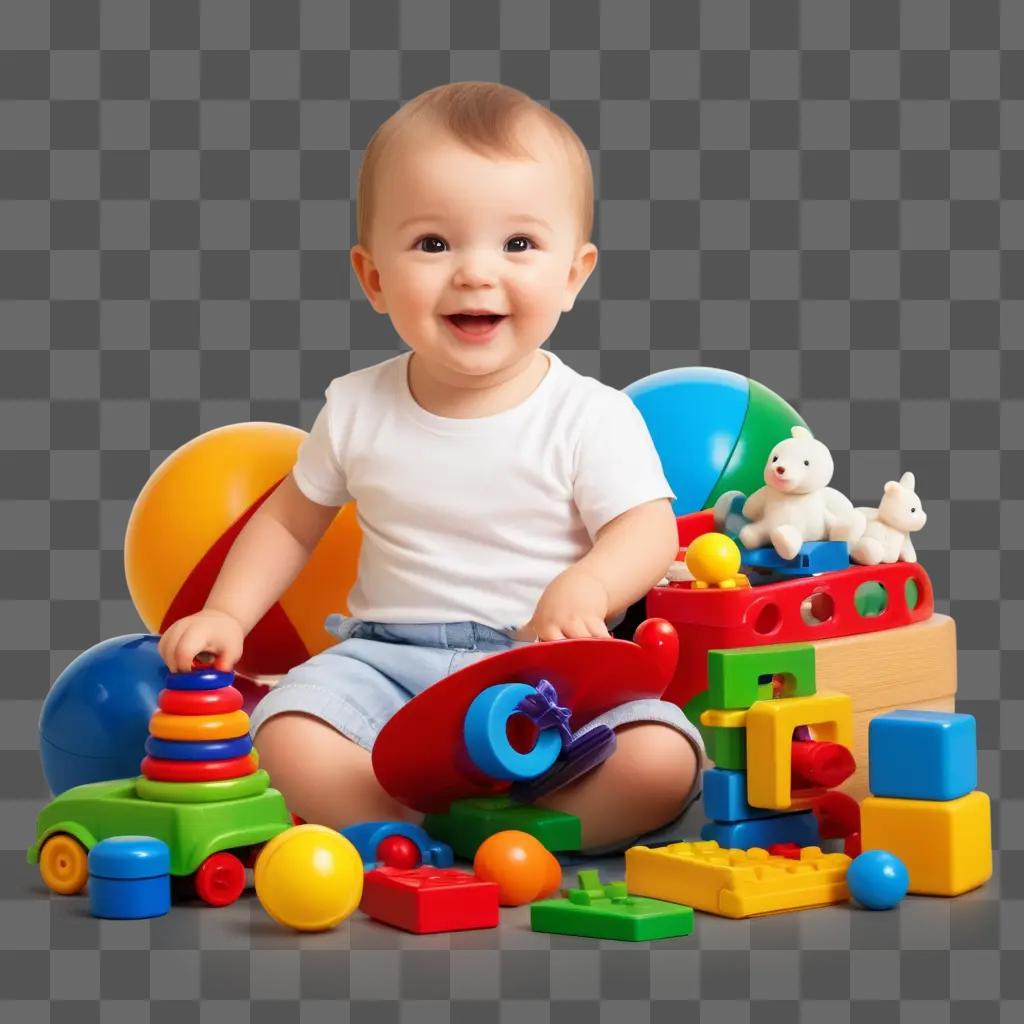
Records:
x=189, y=513
x=522, y=868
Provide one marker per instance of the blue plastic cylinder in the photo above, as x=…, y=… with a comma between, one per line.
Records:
x=129, y=878
x=486, y=738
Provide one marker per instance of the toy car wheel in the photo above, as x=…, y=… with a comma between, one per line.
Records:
x=64, y=864
x=220, y=879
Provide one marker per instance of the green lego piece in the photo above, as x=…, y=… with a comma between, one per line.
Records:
x=726, y=746
x=469, y=822
x=739, y=678
x=599, y=911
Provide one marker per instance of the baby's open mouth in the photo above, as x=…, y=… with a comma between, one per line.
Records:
x=473, y=323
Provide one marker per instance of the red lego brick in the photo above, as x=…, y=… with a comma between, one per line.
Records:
x=427, y=899
x=790, y=850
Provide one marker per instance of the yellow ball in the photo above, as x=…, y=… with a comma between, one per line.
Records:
x=713, y=557
x=309, y=878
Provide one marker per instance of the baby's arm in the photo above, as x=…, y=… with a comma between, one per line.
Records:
x=265, y=558
x=629, y=556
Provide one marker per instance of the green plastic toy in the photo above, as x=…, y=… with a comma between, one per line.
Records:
x=726, y=746
x=209, y=841
x=469, y=822
x=599, y=911
x=737, y=678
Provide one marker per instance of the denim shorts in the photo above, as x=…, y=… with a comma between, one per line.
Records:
x=377, y=667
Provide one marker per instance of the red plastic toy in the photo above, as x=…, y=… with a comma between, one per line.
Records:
x=420, y=757
x=200, y=702
x=838, y=815
x=398, y=852
x=162, y=769
x=794, y=611
x=425, y=899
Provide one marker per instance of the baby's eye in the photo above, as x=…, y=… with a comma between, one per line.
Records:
x=806, y=462
x=520, y=238
x=429, y=239
x=775, y=458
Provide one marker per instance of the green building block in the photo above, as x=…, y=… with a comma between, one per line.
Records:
x=469, y=822
x=726, y=746
x=599, y=911
x=740, y=677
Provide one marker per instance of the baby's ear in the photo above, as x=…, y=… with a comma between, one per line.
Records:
x=907, y=480
x=369, y=277
x=891, y=487
x=802, y=432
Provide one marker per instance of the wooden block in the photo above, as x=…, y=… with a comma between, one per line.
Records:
x=908, y=667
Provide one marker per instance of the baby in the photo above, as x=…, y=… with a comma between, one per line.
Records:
x=503, y=497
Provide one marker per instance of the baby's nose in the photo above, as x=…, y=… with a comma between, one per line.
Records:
x=781, y=470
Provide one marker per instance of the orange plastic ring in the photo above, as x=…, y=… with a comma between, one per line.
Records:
x=199, y=727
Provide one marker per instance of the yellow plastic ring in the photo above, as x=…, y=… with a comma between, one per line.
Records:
x=64, y=864
x=199, y=727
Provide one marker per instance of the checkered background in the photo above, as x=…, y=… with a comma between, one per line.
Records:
x=826, y=195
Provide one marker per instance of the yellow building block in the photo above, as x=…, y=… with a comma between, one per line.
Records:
x=736, y=883
x=945, y=844
x=729, y=719
x=770, y=725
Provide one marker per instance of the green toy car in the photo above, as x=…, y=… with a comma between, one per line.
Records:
x=211, y=841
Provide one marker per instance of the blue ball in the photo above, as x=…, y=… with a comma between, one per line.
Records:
x=95, y=719
x=878, y=880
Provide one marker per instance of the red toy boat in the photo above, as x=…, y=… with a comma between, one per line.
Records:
x=420, y=757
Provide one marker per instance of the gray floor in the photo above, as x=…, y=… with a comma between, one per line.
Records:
x=825, y=195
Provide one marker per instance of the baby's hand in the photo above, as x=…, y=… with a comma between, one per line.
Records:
x=574, y=604
x=207, y=630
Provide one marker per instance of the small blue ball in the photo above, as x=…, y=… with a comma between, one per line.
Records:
x=878, y=880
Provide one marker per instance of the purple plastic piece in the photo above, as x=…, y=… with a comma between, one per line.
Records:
x=580, y=756
x=545, y=712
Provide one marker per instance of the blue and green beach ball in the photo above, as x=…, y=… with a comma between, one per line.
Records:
x=713, y=430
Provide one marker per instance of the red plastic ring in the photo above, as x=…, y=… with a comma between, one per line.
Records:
x=200, y=702
x=161, y=769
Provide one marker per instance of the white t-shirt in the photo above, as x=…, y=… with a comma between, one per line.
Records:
x=470, y=519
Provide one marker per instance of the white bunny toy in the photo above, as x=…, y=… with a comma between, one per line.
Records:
x=796, y=505
x=886, y=537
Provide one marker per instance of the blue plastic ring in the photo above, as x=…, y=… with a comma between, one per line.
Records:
x=200, y=679
x=199, y=750
x=486, y=739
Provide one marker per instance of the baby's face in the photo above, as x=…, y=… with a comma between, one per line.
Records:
x=456, y=231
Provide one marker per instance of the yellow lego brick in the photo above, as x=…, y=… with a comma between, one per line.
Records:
x=736, y=883
x=945, y=844
x=730, y=719
x=770, y=725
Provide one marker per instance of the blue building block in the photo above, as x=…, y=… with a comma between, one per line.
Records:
x=725, y=797
x=368, y=835
x=922, y=755
x=800, y=828
x=129, y=878
x=814, y=557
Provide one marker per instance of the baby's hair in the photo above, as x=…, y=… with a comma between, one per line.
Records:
x=483, y=116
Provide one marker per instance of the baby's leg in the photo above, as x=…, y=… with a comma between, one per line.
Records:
x=644, y=785
x=325, y=778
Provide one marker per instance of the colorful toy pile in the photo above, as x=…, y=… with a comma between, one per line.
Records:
x=199, y=736
x=200, y=793
x=925, y=808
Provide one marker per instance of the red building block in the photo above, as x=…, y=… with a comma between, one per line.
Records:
x=426, y=899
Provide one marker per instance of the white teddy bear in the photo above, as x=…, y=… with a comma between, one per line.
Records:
x=796, y=505
x=886, y=537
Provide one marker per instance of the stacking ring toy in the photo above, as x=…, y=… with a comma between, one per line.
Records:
x=200, y=702
x=199, y=679
x=199, y=727
x=486, y=737
x=214, y=750
x=161, y=770
x=202, y=792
